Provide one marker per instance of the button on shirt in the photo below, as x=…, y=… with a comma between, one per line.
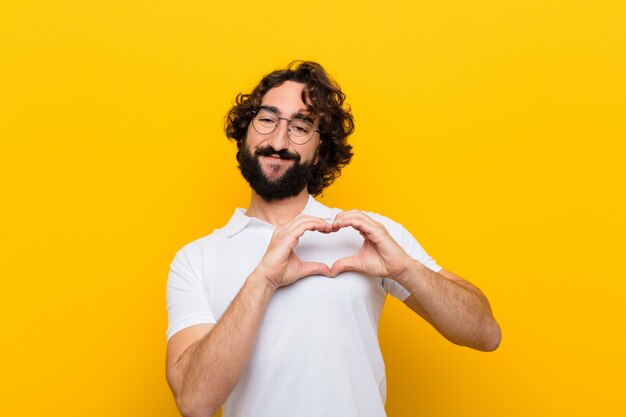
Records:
x=317, y=351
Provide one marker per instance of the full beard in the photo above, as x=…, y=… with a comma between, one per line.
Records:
x=289, y=184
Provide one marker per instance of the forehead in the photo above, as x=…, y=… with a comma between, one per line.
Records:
x=287, y=98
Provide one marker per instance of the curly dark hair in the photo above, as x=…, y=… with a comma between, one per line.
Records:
x=324, y=99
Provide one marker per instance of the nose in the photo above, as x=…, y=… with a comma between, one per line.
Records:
x=279, y=139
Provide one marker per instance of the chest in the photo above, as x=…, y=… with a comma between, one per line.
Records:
x=227, y=267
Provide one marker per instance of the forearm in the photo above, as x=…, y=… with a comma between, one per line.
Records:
x=457, y=309
x=210, y=369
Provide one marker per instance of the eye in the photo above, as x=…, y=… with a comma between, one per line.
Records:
x=300, y=127
x=267, y=121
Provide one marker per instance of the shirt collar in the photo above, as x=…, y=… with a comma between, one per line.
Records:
x=239, y=220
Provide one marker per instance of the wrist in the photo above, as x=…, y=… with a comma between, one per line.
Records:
x=412, y=269
x=260, y=280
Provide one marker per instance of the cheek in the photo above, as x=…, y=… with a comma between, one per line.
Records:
x=306, y=155
x=252, y=139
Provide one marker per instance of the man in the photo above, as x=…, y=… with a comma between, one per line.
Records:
x=271, y=321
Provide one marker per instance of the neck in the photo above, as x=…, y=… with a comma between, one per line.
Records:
x=277, y=212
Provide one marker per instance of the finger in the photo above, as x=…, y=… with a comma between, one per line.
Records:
x=301, y=218
x=355, y=214
x=349, y=263
x=343, y=213
x=294, y=235
x=358, y=224
x=320, y=226
x=296, y=223
x=376, y=233
x=346, y=214
x=340, y=222
x=350, y=213
x=315, y=268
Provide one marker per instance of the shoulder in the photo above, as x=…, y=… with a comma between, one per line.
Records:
x=198, y=248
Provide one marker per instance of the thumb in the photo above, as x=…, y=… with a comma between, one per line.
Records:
x=314, y=268
x=349, y=263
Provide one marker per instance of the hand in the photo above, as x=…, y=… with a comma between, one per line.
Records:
x=380, y=255
x=280, y=265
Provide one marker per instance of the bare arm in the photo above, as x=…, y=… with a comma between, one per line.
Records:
x=205, y=362
x=207, y=371
x=457, y=309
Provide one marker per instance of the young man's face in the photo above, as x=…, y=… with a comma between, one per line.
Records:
x=274, y=166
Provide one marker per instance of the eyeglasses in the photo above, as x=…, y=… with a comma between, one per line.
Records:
x=300, y=131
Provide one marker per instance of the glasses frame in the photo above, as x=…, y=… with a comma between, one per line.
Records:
x=255, y=112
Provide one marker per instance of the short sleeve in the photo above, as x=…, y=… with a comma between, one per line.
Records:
x=412, y=247
x=186, y=301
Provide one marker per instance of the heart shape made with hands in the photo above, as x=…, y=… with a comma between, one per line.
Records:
x=379, y=254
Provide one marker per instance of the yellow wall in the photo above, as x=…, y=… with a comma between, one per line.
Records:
x=493, y=130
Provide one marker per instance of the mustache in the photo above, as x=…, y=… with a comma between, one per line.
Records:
x=283, y=153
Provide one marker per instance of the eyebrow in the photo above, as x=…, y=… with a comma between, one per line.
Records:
x=269, y=108
x=304, y=117
x=298, y=115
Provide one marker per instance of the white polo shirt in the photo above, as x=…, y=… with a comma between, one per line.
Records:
x=317, y=351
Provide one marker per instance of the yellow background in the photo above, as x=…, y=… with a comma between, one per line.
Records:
x=494, y=131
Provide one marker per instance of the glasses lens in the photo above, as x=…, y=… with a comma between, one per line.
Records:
x=300, y=131
x=265, y=122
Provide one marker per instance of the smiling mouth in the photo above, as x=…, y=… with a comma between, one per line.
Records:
x=276, y=158
x=274, y=155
